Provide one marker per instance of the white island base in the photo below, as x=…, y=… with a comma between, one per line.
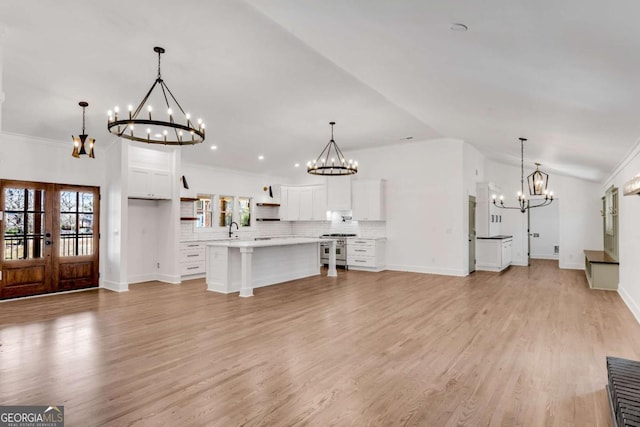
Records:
x=240, y=266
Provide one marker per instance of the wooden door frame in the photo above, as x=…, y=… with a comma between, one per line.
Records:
x=51, y=259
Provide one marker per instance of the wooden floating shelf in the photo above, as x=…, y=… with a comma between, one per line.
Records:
x=188, y=218
x=267, y=219
x=273, y=205
x=189, y=199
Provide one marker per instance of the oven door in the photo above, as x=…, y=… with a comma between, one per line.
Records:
x=324, y=252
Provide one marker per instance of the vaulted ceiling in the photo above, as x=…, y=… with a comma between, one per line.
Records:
x=268, y=75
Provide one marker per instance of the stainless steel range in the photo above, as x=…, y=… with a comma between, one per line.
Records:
x=341, y=249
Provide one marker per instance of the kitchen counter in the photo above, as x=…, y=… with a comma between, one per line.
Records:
x=499, y=237
x=241, y=265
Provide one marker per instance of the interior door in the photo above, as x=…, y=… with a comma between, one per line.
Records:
x=472, y=234
x=48, y=238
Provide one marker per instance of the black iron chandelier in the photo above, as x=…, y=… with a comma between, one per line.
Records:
x=79, y=141
x=331, y=161
x=537, y=182
x=175, y=129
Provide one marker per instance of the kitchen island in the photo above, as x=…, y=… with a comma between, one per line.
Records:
x=241, y=265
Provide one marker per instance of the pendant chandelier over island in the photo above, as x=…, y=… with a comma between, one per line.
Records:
x=174, y=128
x=331, y=161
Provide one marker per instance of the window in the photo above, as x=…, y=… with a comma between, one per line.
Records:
x=76, y=223
x=204, y=211
x=24, y=223
x=226, y=211
x=245, y=211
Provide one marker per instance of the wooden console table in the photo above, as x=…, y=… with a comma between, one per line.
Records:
x=601, y=270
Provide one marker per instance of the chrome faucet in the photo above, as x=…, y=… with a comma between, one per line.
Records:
x=231, y=232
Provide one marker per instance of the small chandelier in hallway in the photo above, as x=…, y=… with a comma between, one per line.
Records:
x=79, y=141
x=537, y=182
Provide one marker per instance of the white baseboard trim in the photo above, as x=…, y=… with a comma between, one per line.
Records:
x=139, y=278
x=114, y=286
x=633, y=306
x=542, y=256
x=166, y=278
x=571, y=266
x=427, y=270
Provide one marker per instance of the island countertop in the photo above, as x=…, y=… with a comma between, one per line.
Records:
x=266, y=241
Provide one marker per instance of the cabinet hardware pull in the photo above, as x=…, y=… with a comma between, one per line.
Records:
x=192, y=268
x=191, y=256
x=360, y=250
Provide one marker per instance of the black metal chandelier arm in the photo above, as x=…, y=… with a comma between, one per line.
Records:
x=144, y=100
x=545, y=202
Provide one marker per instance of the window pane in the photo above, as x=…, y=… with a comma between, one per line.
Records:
x=204, y=211
x=245, y=211
x=226, y=211
x=86, y=202
x=76, y=223
x=86, y=224
x=68, y=201
x=67, y=223
x=14, y=199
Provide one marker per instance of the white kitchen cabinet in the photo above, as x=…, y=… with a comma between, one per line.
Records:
x=149, y=184
x=367, y=200
x=319, y=203
x=339, y=193
x=303, y=203
x=192, y=258
x=367, y=254
x=493, y=254
x=488, y=216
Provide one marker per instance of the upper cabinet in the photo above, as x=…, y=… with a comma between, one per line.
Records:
x=339, y=193
x=367, y=200
x=150, y=173
x=304, y=203
x=488, y=216
x=149, y=184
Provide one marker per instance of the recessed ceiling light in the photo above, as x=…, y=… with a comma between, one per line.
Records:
x=458, y=27
x=297, y=165
x=214, y=147
x=261, y=157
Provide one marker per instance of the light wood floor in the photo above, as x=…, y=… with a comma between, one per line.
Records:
x=525, y=347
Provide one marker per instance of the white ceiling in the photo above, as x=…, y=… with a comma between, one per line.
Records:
x=268, y=75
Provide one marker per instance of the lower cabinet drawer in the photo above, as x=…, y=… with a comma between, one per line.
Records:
x=192, y=268
x=191, y=256
x=361, y=261
x=361, y=251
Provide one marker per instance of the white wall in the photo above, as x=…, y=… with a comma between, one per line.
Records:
x=579, y=217
x=29, y=158
x=424, y=193
x=629, y=231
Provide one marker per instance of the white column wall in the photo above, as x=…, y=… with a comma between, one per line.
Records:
x=628, y=230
